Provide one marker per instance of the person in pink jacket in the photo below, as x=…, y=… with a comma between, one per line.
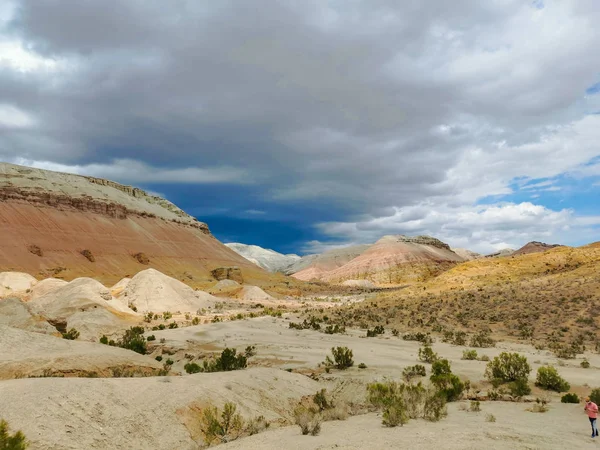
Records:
x=592, y=411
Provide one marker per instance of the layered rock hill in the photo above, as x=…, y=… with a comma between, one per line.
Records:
x=392, y=260
x=68, y=226
x=534, y=247
x=315, y=266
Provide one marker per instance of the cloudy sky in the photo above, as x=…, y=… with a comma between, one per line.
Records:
x=304, y=124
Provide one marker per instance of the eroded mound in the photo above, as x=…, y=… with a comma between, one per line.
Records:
x=26, y=354
x=151, y=290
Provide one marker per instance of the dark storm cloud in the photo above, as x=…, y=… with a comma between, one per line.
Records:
x=372, y=105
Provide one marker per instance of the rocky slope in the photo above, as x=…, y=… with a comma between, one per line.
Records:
x=267, y=259
x=391, y=260
x=68, y=226
x=466, y=254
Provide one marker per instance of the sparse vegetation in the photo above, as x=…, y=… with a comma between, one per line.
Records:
x=490, y=418
x=221, y=426
x=228, y=360
x=519, y=388
x=427, y=355
x=141, y=258
x=375, y=331
x=342, y=358
x=482, y=340
x=585, y=364
x=401, y=402
x=16, y=441
x=470, y=355
x=549, y=379
x=595, y=396
x=36, y=250
x=411, y=372
x=475, y=406
x=133, y=339
x=71, y=335
x=308, y=419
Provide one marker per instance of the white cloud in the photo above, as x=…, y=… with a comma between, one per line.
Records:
x=482, y=228
x=13, y=117
x=137, y=172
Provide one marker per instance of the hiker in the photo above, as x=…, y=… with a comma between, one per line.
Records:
x=592, y=410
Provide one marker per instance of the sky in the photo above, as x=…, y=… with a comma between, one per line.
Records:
x=306, y=125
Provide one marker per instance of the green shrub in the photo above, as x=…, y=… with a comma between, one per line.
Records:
x=419, y=337
x=362, y=366
x=173, y=325
x=475, y=406
x=595, y=396
x=411, y=372
x=549, y=379
x=470, y=355
x=426, y=354
x=167, y=315
x=192, y=367
x=71, y=335
x=482, y=340
x=569, y=398
x=585, y=364
x=322, y=401
x=445, y=381
x=342, y=358
x=159, y=358
x=224, y=427
x=519, y=388
x=389, y=398
x=104, y=340
x=228, y=360
x=151, y=338
x=133, y=339
x=507, y=367
x=9, y=441
x=490, y=418
x=308, y=419
x=375, y=331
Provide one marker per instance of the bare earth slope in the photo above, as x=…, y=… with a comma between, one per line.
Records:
x=47, y=219
x=141, y=413
x=25, y=354
x=392, y=260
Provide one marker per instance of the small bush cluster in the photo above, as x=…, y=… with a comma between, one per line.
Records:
x=426, y=354
x=329, y=409
x=334, y=329
x=411, y=372
x=71, y=335
x=342, y=358
x=455, y=337
x=470, y=355
x=228, y=360
x=308, y=419
x=219, y=427
x=377, y=330
x=401, y=402
x=9, y=441
x=447, y=384
x=482, y=340
x=549, y=379
x=595, y=396
x=569, y=398
x=419, y=337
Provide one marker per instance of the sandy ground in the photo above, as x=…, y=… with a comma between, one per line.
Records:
x=563, y=427
x=384, y=356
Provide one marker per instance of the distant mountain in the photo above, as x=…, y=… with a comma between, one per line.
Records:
x=501, y=253
x=267, y=259
x=313, y=266
x=535, y=247
x=391, y=260
x=467, y=255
